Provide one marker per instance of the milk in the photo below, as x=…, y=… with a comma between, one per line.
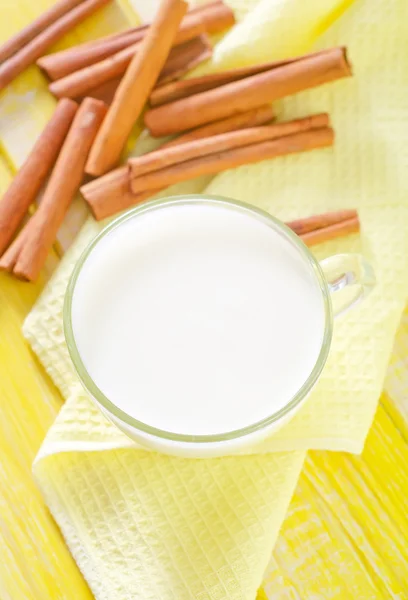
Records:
x=198, y=319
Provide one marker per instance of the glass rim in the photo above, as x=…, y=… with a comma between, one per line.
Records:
x=108, y=406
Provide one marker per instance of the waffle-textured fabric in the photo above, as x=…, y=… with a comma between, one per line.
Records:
x=143, y=525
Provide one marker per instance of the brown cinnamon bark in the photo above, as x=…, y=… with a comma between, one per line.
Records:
x=230, y=159
x=62, y=63
x=105, y=92
x=80, y=83
x=118, y=48
x=162, y=158
x=30, y=52
x=303, y=226
x=20, y=39
x=32, y=175
x=177, y=90
x=247, y=93
x=319, y=236
x=217, y=16
x=111, y=193
x=64, y=182
x=181, y=59
x=9, y=258
x=211, y=18
x=251, y=118
x=135, y=87
x=186, y=57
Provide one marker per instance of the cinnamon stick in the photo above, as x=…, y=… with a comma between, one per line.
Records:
x=61, y=64
x=135, y=87
x=247, y=93
x=210, y=18
x=181, y=59
x=111, y=194
x=177, y=90
x=217, y=17
x=162, y=158
x=30, y=52
x=32, y=175
x=73, y=59
x=303, y=226
x=80, y=83
x=64, y=182
x=20, y=39
x=105, y=92
x=229, y=159
x=251, y=118
x=185, y=57
x=331, y=232
x=9, y=258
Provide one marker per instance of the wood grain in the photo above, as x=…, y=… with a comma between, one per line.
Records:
x=35, y=561
x=344, y=535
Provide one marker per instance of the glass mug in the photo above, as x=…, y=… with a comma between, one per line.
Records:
x=343, y=280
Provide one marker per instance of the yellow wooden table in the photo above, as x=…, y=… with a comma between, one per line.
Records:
x=345, y=536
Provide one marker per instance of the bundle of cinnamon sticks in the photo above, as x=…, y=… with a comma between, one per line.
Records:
x=66, y=141
x=188, y=104
x=85, y=69
x=222, y=120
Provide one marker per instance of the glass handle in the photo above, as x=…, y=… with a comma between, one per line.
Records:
x=350, y=278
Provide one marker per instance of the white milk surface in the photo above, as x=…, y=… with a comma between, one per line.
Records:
x=197, y=319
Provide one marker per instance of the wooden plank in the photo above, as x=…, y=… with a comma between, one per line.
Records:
x=346, y=529
x=35, y=561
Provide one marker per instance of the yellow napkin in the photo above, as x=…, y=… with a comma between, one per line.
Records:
x=145, y=526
